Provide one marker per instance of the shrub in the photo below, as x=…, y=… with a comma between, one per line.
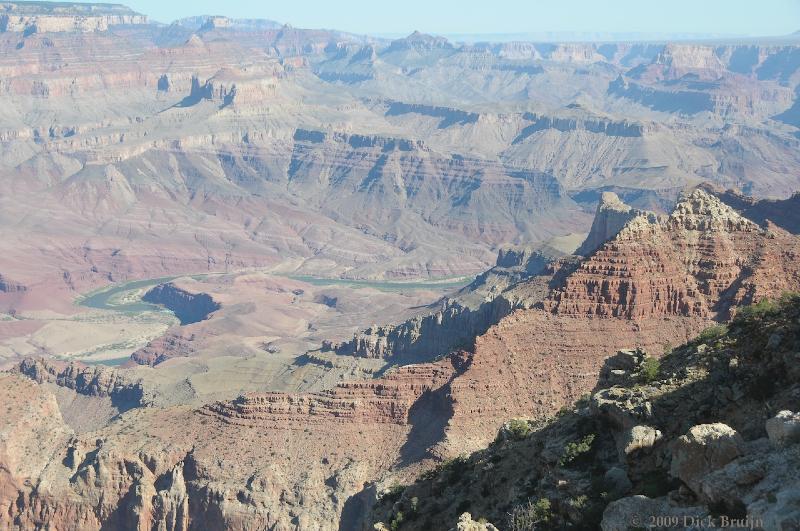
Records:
x=518, y=429
x=526, y=517
x=758, y=310
x=576, y=449
x=397, y=521
x=579, y=502
x=649, y=369
x=712, y=333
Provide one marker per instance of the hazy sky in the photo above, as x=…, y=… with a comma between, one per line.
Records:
x=743, y=17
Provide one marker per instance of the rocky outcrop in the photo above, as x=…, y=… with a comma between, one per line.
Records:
x=230, y=86
x=633, y=291
x=611, y=216
x=625, y=513
x=124, y=391
x=518, y=280
x=784, y=213
x=173, y=344
x=452, y=327
x=9, y=286
x=188, y=307
x=386, y=400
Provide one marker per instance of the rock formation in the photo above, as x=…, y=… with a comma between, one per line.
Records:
x=47, y=17
x=611, y=216
x=188, y=307
x=9, y=286
x=124, y=391
x=700, y=261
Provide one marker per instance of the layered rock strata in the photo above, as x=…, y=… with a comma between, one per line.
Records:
x=47, y=17
x=97, y=381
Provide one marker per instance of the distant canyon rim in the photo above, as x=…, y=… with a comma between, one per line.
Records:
x=335, y=260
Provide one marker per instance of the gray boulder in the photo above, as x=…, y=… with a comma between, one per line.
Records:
x=784, y=428
x=704, y=449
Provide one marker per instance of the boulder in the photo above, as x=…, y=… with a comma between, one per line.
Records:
x=705, y=448
x=638, y=512
x=784, y=428
x=623, y=408
x=639, y=438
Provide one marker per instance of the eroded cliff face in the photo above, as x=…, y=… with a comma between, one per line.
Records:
x=125, y=391
x=424, y=338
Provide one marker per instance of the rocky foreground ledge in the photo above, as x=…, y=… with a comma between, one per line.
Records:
x=709, y=433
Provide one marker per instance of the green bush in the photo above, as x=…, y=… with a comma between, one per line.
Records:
x=397, y=521
x=712, y=333
x=526, y=517
x=649, y=369
x=519, y=429
x=576, y=449
x=758, y=310
x=579, y=502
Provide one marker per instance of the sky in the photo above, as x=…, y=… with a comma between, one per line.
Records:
x=719, y=17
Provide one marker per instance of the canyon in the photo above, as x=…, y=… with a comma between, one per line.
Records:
x=255, y=276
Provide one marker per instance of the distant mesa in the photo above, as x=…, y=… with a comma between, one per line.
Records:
x=212, y=22
x=420, y=42
x=56, y=17
x=216, y=22
x=188, y=307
